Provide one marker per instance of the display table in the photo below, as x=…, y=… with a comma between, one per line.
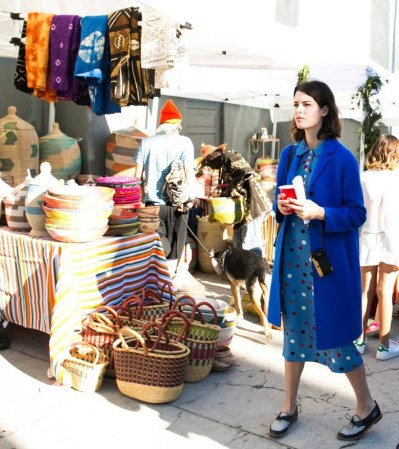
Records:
x=51, y=286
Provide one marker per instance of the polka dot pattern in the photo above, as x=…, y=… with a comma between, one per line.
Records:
x=298, y=303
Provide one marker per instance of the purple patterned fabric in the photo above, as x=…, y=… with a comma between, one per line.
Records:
x=64, y=46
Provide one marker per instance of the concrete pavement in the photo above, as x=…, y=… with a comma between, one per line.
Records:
x=231, y=409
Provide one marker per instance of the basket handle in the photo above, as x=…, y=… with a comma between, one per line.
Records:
x=95, y=321
x=170, y=291
x=160, y=332
x=213, y=310
x=168, y=317
x=104, y=318
x=122, y=311
x=81, y=344
x=139, y=337
x=188, y=300
x=135, y=299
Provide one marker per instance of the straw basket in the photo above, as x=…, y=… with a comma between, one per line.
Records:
x=150, y=368
x=148, y=305
x=202, y=338
x=213, y=236
x=85, y=367
x=101, y=328
x=226, y=210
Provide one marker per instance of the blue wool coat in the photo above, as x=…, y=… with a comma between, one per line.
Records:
x=334, y=185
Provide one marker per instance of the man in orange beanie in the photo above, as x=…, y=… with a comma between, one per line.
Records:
x=154, y=158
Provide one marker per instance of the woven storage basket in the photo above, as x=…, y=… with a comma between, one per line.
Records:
x=226, y=210
x=214, y=236
x=150, y=368
x=101, y=328
x=149, y=305
x=202, y=338
x=85, y=367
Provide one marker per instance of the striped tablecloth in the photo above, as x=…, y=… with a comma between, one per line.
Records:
x=51, y=286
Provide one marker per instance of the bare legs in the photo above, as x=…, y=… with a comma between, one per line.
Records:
x=369, y=283
x=357, y=378
x=381, y=279
x=386, y=281
x=293, y=372
x=365, y=403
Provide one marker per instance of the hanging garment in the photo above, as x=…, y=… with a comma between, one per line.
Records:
x=64, y=46
x=92, y=63
x=36, y=54
x=20, y=81
x=130, y=83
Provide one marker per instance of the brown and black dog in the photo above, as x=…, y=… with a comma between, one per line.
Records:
x=245, y=268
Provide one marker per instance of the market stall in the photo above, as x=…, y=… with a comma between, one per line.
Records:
x=51, y=286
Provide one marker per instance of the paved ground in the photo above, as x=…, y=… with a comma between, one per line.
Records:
x=232, y=409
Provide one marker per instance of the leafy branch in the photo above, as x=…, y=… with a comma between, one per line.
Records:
x=367, y=98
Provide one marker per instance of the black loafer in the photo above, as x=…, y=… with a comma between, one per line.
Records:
x=357, y=427
x=282, y=423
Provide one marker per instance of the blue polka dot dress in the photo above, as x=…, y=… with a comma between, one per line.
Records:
x=297, y=294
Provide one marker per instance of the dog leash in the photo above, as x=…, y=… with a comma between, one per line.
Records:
x=210, y=253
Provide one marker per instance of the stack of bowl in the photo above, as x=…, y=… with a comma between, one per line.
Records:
x=127, y=190
x=77, y=213
x=148, y=218
x=125, y=223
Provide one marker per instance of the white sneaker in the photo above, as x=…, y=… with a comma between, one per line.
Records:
x=385, y=354
x=360, y=345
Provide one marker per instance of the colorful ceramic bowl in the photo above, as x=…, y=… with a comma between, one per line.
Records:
x=74, y=224
x=76, y=192
x=76, y=235
x=89, y=215
x=60, y=203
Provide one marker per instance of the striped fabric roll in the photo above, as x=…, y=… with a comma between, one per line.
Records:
x=51, y=286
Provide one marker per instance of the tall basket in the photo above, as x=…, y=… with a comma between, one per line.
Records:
x=150, y=368
x=202, y=338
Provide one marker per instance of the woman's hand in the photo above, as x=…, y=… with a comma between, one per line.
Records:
x=307, y=210
x=283, y=205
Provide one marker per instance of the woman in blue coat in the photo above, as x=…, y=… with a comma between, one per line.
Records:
x=320, y=301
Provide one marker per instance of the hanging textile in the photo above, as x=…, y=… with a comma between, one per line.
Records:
x=20, y=81
x=161, y=47
x=130, y=84
x=92, y=63
x=36, y=54
x=64, y=46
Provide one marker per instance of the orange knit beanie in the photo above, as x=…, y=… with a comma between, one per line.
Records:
x=170, y=113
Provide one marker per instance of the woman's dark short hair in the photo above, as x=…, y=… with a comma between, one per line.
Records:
x=323, y=96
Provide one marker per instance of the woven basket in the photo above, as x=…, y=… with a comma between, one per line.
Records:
x=150, y=368
x=101, y=328
x=148, y=305
x=85, y=368
x=226, y=210
x=202, y=338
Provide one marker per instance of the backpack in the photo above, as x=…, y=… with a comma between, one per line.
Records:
x=175, y=186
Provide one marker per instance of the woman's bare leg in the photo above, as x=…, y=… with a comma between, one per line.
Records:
x=369, y=282
x=385, y=285
x=293, y=372
x=365, y=402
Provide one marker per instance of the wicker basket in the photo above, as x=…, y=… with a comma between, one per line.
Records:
x=202, y=338
x=85, y=368
x=148, y=305
x=150, y=368
x=101, y=328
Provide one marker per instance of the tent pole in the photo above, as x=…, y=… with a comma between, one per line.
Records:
x=51, y=117
x=274, y=134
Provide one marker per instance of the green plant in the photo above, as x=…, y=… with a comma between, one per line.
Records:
x=303, y=74
x=367, y=99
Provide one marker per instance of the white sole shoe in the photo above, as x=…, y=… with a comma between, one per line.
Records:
x=386, y=354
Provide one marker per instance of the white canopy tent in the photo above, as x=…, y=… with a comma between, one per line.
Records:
x=244, y=53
